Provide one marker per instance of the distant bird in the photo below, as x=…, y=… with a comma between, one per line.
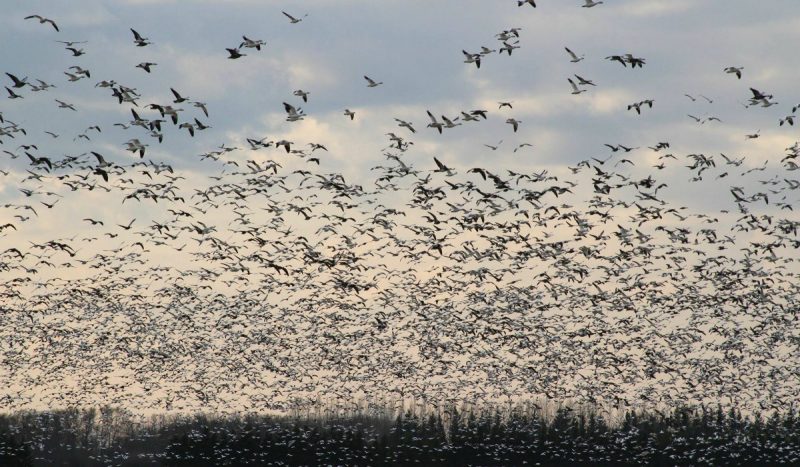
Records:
x=479, y=113
x=64, y=105
x=494, y=147
x=42, y=86
x=507, y=47
x=252, y=44
x=349, y=113
x=575, y=89
x=435, y=123
x=575, y=58
x=146, y=66
x=128, y=227
x=286, y=144
x=514, y=123
x=735, y=71
x=12, y=94
x=139, y=40
x=529, y=2
x=72, y=43
x=635, y=61
x=40, y=160
x=234, y=53
x=472, y=58
x=788, y=119
x=617, y=58
x=81, y=71
x=188, y=126
x=294, y=113
x=405, y=124
x=450, y=123
x=302, y=94
x=43, y=20
x=590, y=3
x=505, y=104
x=18, y=83
x=178, y=98
x=76, y=52
x=101, y=161
x=371, y=82
x=584, y=81
x=638, y=105
x=441, y=167
x=201, y=106
x=292, y=19
x=136, y=146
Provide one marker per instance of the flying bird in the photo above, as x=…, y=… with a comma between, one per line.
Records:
x=472, y=58
x=18, y=83
x=575, y=58
x=435, y=123
x=292, y=19
x=234, y=54
x=302, y=94
x=146, y=66
x=252, y=44
x=294, y=113
x=139, y=40
x=371, y=83
x=43, y=20
x=584, y=81
x=405, y=124
x=514, y=123
x=575, y=89
x=64, y=105
x=12, y=94
x=735, y=71
x=76, y=52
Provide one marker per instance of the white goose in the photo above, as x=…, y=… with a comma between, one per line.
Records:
x=575, y=89
x=575, y=58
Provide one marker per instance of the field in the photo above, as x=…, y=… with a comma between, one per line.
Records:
x=519, y=436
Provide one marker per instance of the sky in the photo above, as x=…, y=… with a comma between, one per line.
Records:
x=415, y=48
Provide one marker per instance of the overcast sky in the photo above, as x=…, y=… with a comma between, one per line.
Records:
x=414, y=47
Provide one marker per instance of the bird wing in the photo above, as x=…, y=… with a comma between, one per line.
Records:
x=572, y=83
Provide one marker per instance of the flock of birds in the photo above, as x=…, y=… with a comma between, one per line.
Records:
x=264, y=280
